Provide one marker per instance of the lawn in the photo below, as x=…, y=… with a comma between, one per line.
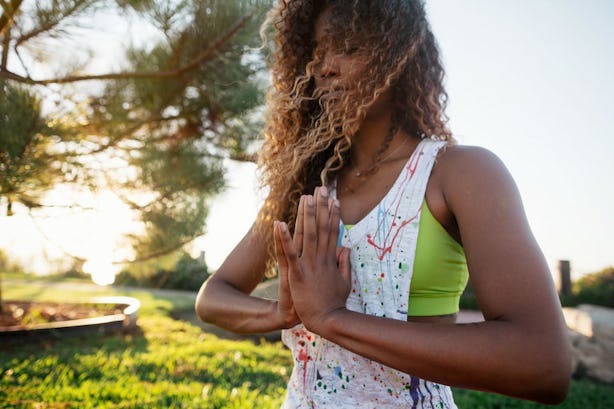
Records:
x=171, y=364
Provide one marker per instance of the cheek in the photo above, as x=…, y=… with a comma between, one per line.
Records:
x=354, y=70
x=352, y=63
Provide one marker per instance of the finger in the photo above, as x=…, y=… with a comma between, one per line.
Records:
x=333, y=236
x=315, y=198
x=344, y=265
x=298, y=227
x=282, y=262
x=315, y=191
x=289, y=250
x=309, y=228
x=322, y=221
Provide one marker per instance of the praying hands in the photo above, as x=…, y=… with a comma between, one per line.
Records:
x=314, y=274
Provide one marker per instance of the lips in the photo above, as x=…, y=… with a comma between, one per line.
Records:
x=326, y=93
x=332, y=94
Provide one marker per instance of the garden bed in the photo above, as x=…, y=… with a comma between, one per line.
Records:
x=22, y=321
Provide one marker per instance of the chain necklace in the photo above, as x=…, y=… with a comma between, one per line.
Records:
x=362, y=173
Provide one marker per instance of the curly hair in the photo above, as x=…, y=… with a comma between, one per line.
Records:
x=308, y=137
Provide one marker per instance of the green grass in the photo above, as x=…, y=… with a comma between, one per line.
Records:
x=172, y=364
x=166, y=364
x=49, y=278
x=583, y=394
x=169, y=365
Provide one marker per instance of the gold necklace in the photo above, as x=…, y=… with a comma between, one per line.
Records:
x=358, y=173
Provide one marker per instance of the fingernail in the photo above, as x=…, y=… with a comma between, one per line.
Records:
x=323, y=191
x=336, y=203
x=310, y=200
x=283, y=227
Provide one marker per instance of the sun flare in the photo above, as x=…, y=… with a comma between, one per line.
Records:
x=102, y=271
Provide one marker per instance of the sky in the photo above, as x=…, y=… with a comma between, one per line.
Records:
x=531, y=80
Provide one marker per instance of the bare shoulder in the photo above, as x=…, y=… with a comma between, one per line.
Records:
x=465, y=160
x=463, y=183
x=470, y=173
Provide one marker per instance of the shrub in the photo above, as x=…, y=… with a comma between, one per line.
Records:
x=187, y=274
x=8, y=264
x=596, y=288
x=75, y=271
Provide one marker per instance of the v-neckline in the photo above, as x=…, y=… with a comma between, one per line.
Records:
x=357, y=228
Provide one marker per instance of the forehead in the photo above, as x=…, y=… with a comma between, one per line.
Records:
x=334, y=24
x=323, y=25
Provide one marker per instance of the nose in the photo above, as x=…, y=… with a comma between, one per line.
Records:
x=329, y=67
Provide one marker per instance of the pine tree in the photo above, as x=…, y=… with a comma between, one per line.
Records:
x=180, y=105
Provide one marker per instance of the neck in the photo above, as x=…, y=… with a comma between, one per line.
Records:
x=367, y=142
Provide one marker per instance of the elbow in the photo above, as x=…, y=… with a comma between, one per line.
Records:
x=204, y=305
x=553, y=389
x=551, y=383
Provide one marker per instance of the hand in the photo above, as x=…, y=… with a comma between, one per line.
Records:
x=318, y=273
x=285, y=308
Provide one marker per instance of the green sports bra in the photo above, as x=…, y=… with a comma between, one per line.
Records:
x=440, y=270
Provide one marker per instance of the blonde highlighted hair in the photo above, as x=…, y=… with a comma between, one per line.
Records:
x=308, y=137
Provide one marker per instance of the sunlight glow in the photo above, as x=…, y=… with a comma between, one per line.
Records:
x=102, y=271
x=548, y=121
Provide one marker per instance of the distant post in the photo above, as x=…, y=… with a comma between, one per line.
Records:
x=564, y=278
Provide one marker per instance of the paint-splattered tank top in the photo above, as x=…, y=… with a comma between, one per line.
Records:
x=383, y=245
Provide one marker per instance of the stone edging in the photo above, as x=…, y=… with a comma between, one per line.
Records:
x=86, y=326
x=591, y=334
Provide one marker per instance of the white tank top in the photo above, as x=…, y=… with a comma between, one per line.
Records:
x=383, y=246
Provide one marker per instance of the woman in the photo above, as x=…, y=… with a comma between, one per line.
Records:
x=372, y=264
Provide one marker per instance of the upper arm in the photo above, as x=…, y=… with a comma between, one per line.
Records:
x=508, y=271
x=246, y=264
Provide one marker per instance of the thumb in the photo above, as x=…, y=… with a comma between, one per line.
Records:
x=280, y=254
x=343, y=261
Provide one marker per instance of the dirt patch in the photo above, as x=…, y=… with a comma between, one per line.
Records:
x=24, y=314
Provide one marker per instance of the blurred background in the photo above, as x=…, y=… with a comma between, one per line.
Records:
x=129, y=128
x=128, y=136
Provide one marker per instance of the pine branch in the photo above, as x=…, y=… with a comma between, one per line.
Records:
x=152, y=255
x=49, y=26
x=9, y=11
x=71, y=206
x=244, y=157
x=6, y=40
x=159, y=253
x=155, y=116
x=21, y=61
x=195, y=63
x=54, y=242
